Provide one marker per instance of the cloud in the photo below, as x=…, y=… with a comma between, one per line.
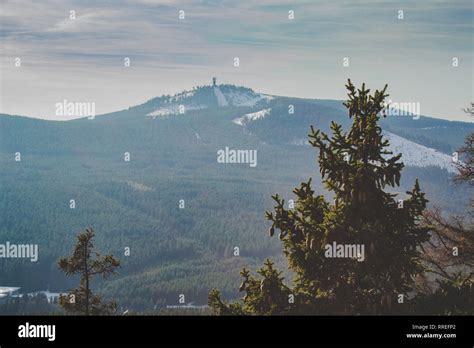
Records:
x=85, y=22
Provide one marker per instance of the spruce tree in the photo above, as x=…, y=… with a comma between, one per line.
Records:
x=87, y=264
x=356, y=167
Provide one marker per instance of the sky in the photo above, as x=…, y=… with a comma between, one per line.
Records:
x=82, y=59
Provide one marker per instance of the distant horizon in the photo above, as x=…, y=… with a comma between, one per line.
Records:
x=201, y=86
x=118, y=54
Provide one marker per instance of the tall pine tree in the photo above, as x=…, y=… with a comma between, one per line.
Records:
x=357, y=167
x=87, y=264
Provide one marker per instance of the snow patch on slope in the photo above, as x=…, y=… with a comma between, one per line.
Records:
x=181, y=96
x=416, y=155
x=174, y=110
x=221, y=99
x=238, y=98
x=267, y=97
x=413, y=154
x=138, y=186
x=171, y=106
x=243, y=120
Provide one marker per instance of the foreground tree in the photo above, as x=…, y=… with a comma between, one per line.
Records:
x=382, y=233
x=449, y=260
x=465, y=166
x=81, y=300
x=449, y=255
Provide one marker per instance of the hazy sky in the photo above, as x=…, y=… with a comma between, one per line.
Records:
x=82, y=59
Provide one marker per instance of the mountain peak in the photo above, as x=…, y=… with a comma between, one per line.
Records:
x=203, y=97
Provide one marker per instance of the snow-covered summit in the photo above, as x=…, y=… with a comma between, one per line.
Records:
x=206, y=97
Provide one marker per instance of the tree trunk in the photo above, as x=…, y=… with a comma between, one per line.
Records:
x=86, y=274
